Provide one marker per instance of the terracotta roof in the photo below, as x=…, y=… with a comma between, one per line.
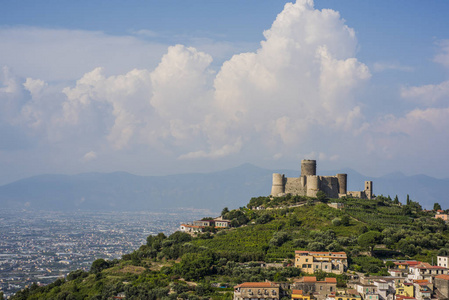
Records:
x=309, y=279
x=256, y=285
x=330, y=279
x=315, y=252
x=421, y=281
x=445, y=277
x=410, y=262
x=429, y=266
x=297, y=292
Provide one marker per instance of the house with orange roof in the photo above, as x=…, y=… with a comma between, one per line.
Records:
x=423, y=289
x=300, y=295
x=257, y=290
x=405, y=264
x=329, y=262
x=426, y=271
x=320, y=289
x=190, y=228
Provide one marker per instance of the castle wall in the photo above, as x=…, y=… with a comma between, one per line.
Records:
x=295, y=186
x=329, y=185
x=356, y=194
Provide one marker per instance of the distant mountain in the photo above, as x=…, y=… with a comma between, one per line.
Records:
x=232, y=188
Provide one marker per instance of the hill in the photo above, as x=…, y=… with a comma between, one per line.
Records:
x=203, y=267
x=123, y=191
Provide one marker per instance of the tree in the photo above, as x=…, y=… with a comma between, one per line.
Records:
x=336, y=222
x=369, y=239
x=224, y=211
x=180, y=237
x=345, y=220
x=436, y=206
x=155, y=242
x=320, y=195
x=396, y=200
x=408, y=200
x=99, y=265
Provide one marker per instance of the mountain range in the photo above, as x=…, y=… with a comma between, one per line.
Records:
x=121, y=191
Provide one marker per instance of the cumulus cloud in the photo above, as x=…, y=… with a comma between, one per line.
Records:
x=298, y=85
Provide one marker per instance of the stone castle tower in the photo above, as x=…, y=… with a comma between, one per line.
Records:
x=308, y=184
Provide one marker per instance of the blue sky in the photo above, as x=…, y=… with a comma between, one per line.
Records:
x=163, y=87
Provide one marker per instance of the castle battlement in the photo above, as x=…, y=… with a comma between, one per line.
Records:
x=308, y=184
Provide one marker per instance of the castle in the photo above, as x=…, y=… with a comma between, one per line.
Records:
x=308, y=184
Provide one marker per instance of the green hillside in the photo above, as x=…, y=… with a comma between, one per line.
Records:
x=208, y=265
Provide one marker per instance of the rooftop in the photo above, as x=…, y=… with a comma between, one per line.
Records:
x=256, y=285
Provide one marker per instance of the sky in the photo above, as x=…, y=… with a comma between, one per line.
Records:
x=168, y=87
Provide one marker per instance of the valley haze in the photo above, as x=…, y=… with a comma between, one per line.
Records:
x=121, y=191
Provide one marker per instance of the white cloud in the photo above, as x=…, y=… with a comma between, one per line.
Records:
x=60, y=54
x=385, y=66
x=443, y=56
x=427, y=94
x=91, y=155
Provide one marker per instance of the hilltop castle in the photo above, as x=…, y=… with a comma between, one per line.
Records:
x=308, y=184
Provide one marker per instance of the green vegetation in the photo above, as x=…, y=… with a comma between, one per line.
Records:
x=208, y=265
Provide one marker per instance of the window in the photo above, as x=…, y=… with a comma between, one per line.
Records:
x=307, y=260
x=304, y=266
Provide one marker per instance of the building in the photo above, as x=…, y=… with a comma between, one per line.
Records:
x=308, y=184
x=367, y=291
x=200, y=225
x=443, y=261
x=441, y=215
x=189, y=228
x=425, y=271
x=300, y=295
x=405, y=289
x=256, y=290
x=423, y=289
x=345, y=295
x=308, y=285
x=442, y=284
x=330, y=262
